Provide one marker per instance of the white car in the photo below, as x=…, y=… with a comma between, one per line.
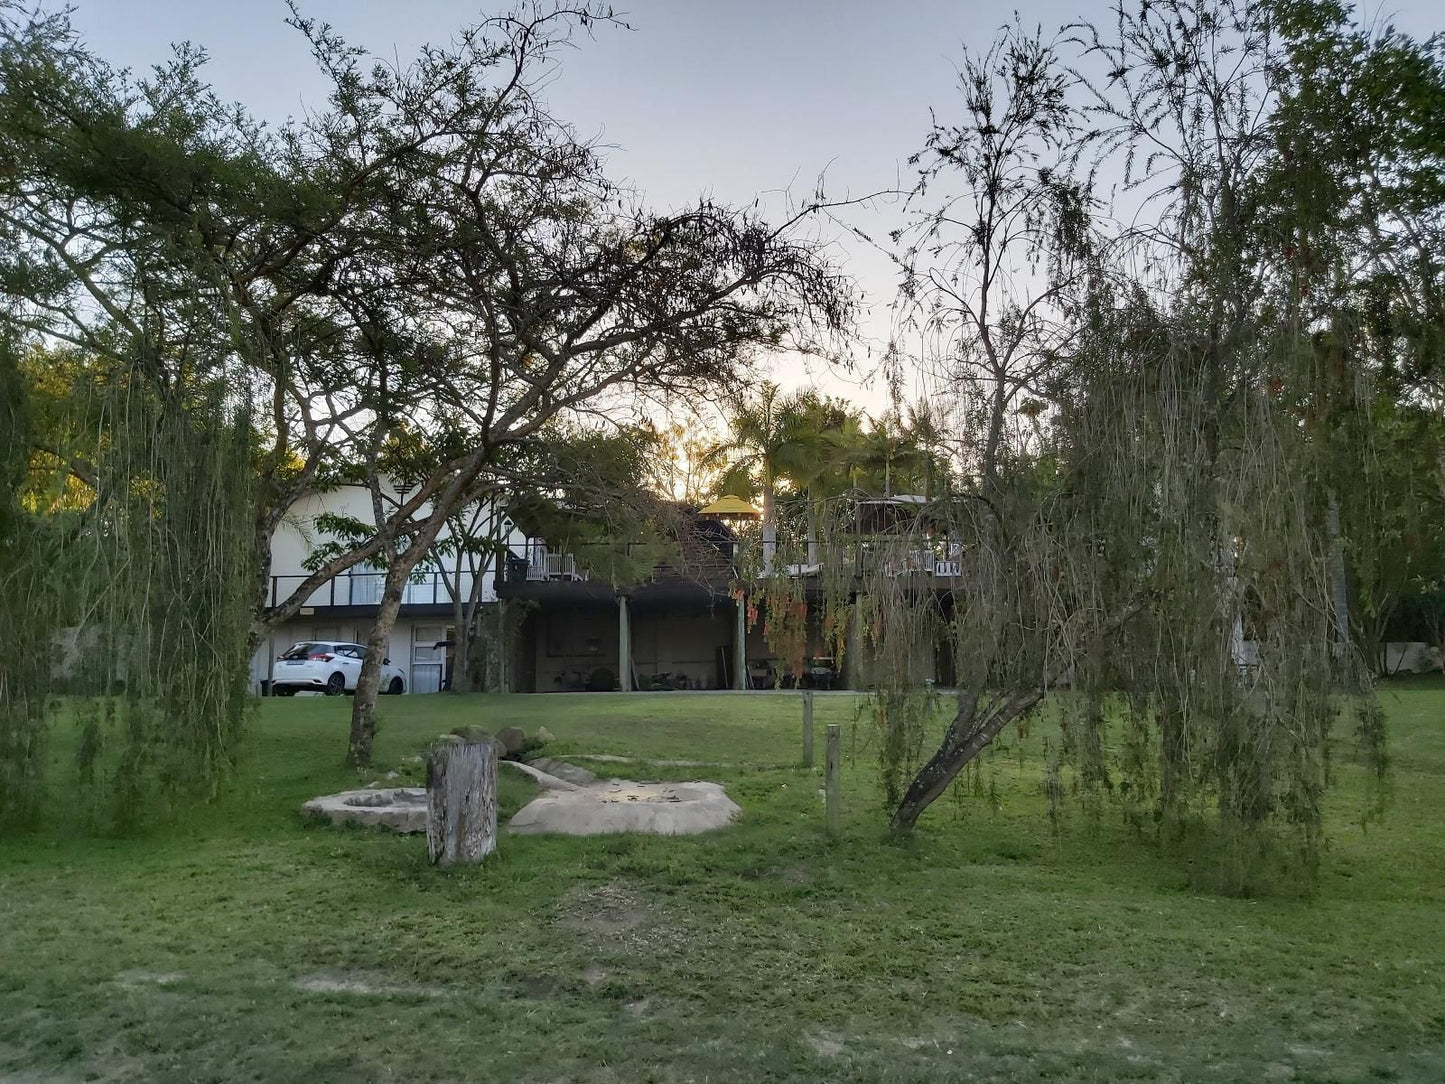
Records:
x=329, y=667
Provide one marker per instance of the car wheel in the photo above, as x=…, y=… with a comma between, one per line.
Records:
x=336, y=684
x=395, y=687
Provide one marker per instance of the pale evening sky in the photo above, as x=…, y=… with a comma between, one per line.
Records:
x=731, y=98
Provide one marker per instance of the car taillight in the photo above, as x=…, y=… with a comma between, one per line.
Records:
x=321, y=658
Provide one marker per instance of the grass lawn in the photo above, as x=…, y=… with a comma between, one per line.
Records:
x=245, y=944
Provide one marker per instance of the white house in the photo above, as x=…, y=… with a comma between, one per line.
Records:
x=343, y=608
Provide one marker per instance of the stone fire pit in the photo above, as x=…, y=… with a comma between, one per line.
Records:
x=402, y=809
x=581, y=805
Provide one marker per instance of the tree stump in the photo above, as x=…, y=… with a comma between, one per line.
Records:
x=461, y=792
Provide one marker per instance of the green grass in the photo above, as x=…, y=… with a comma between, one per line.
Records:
x=246, y=944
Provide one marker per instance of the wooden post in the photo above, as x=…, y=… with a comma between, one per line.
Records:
x=624, y=646
x=830, y=783
x=740, y=645
x=808, y=728
x=461, y=796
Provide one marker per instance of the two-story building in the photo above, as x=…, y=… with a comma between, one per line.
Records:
x=694, y=621
x=344, y=607
x=699, y=621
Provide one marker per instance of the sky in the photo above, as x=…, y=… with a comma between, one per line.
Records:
x=737, y=99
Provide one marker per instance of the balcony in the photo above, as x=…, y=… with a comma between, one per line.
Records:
x=543, y=565
x=940, y=561
x=364, y=589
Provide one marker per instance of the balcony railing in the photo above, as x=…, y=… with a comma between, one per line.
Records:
x=544, y=564
x=887, y=554
x=364, y=589
x=539, y=564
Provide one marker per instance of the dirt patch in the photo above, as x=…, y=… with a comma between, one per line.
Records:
x=363, y=983
x=536, y=987
x=826, y=1044
x=596, y=976
x=137, y=979
x=609, y=912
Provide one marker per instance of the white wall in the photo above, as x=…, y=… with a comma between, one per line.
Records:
x=298, y=536
x=410, y=646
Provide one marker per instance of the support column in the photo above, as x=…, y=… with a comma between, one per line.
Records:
x=740, y=645
x=854, y=679
x=624, y=645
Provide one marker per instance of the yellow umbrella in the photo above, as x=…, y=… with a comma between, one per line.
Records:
x=730, y=507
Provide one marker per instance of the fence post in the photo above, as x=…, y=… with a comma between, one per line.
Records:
x=808, y=728
x=830, y=783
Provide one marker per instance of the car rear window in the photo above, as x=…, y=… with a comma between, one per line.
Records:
x=300, y=651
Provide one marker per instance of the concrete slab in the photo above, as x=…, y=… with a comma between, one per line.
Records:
x=619, y=805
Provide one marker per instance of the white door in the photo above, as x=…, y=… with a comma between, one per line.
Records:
x=426, y=658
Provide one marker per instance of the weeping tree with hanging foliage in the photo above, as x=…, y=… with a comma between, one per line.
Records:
x=431, y=262
x=132, y=395
x=131, y=589
x=27, y=620
x=1152, y=532
x=136, y=536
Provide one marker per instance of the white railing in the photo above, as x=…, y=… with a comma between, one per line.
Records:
x=543, y=564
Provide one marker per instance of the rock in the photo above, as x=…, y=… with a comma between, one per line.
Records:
x=544, y=736
x=541, y=778
x=402, y=809
x=618, y=805
x=513, y=739
x=562, y=770
x=471, y=732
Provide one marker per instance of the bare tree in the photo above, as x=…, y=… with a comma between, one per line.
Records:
x=1163, y=509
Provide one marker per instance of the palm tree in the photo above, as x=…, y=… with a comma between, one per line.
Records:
x=773, y=438
x=880, y=454
x=927, y=426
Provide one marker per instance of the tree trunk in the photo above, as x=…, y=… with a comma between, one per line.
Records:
x=812, y=532
x=770, y=527
x=468, y=676
x=1339, y=584
x=966, y=739
x=461, y=791
x=461, y=678
x=963, y=742
x=368, y=682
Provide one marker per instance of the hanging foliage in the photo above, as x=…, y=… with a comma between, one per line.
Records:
x=1144, y=520
x=156, y=576
x=27, y=619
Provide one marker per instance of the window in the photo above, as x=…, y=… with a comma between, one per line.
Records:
x=306, y=648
